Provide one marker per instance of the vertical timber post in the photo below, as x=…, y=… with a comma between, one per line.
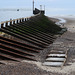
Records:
x=10, y=23
x=33, y=5
x=6, y=24
x=25, y=19
x=17, y=22
x=2, y=25
x=20, y=20
x=13, y=22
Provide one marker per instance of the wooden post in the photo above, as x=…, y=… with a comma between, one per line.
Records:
x=25, y=19
x=17, y=22
x=13, y=22
x=2, y=25
x=10, y=23
x=20, y=20
x=6, y=24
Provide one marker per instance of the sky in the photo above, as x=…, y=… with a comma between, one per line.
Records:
x=53, y=7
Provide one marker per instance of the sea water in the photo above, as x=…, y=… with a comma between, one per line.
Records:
x=7, y=15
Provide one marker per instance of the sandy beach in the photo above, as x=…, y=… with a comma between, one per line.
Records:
x=66, y=41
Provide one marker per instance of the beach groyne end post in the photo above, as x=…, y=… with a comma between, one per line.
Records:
x=17, y=22
x=25, y=19
x=6, y=24
x=14, y=22
x=22, y=19
x=10, y=23
x=2, y=25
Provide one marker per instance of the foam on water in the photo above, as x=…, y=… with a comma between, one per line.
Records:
x=61, y=21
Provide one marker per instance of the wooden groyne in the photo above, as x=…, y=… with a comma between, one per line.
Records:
x=15, y=21
x=31, y=35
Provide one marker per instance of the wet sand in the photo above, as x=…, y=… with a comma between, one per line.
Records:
x=66, y=41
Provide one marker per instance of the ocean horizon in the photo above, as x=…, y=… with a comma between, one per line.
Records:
x=7, y=14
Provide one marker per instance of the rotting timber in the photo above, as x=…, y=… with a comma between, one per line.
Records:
x=38, y=31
